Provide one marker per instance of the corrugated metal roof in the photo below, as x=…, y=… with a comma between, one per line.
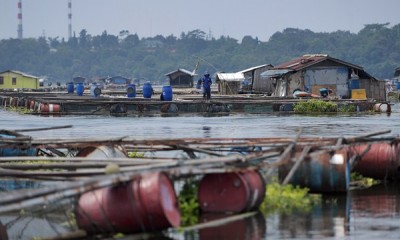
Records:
x=183, y=71
x=239, y=76
x=309, y=60
x=254, y=68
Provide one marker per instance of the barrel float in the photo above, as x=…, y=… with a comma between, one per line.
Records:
x=167, y=93
x=231, y=192
x=381, y=161
x=148, y=203
x=95, y=90
x=49, y=108
x=12, y=151
x=320, y=172
x=382, y=107
x=70, y=87
x=80, y=89
x=147, y=90
x=131, y=91
x=32, y=105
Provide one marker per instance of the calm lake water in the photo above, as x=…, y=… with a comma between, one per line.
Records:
x=372, y=213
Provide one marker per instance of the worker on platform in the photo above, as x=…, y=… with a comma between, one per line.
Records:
x=206, y=81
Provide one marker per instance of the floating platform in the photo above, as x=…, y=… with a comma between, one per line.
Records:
x=121, y=105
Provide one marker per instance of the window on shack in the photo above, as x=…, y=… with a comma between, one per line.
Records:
x=14, y=81
x=1, y=80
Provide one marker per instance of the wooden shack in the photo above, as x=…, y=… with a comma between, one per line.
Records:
x=181, y=78
x=254, y=81
x=312, y=72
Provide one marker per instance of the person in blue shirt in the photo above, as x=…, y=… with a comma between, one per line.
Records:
x=206, y=81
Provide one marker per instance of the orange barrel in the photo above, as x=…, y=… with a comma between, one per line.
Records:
x=148, y=203
x=320, y=172
x=382, y=161
x=231, y=192
x=49, y=108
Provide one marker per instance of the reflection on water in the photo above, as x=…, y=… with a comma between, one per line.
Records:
x=372, y=213
x=328, y=219
x=253, y=227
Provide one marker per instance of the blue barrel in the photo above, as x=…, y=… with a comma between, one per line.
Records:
x=131, y=91
x=70, y=87
x=95, y=90
x=398, y=85
x=147, y=90
x=354, y=84
x=80, y=89
x=15, y=151
x=320, y=172
x=167, y=93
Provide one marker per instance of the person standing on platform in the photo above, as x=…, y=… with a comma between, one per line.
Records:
x=206, y=81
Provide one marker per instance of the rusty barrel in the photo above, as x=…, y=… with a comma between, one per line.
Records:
x=231, y=192
x=50, y=108
x=320, y=172
x=148, y=203
x=381, y=161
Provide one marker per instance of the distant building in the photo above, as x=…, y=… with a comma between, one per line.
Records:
x=181, y=78
x=312, y=72
x=78, y=79
x=18, y=80
x=117, y=82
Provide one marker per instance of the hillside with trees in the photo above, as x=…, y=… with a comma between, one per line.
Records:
x=376, y=48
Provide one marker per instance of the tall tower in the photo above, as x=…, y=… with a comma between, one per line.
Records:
x=69, y=19
x=20, y=19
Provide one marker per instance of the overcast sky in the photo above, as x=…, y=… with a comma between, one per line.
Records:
x=234, y=18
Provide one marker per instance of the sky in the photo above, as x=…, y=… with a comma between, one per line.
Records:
x=233, y=18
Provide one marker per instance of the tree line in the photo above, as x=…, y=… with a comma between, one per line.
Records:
x=376, y=48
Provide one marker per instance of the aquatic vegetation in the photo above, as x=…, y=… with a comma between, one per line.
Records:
x=287, y=198
x=358, y=180
x=188, y=203
x=135, y=154
x=345, y=108
x=22, y=110
x=315, y=106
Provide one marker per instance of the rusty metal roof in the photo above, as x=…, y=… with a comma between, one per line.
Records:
x=309, y=60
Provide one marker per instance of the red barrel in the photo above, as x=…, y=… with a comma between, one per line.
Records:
x=32, y=105
x=231, y=192
x=49, y=108
x=382, y=160
x=148, y=203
